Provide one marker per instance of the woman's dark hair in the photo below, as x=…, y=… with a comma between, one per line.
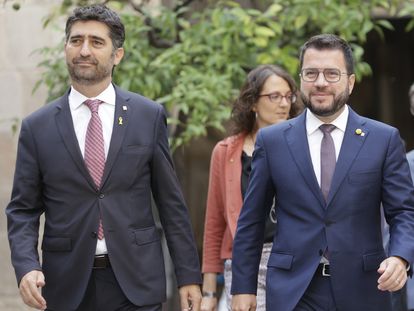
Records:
x=242, y=116
x=100, y=13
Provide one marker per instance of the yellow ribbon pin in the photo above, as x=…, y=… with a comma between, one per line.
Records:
x=359, y=132
x=120, y=121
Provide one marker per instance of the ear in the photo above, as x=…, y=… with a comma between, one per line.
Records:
x=119, y=53
x=351, y=83
x=254, y=107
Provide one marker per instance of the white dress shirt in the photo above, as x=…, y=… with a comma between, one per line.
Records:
x=81, y=115
x=315, y=136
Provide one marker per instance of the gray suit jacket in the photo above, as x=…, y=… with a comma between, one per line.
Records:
x=51, y=178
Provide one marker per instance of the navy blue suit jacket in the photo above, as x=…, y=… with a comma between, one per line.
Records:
x=371, y=169
x=51, y=178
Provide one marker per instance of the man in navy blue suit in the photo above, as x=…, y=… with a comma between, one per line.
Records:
x=330, y=170
x=92, y=161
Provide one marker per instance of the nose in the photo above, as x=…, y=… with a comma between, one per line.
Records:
x=321, y=81
x=85, y=51
x=284, y=102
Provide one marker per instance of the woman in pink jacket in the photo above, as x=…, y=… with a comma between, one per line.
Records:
x=267, y=97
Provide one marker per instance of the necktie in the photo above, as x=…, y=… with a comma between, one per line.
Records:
x=328, y=158
x=94, y=149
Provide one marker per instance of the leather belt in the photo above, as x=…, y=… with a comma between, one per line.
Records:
x=101, y=262
x=323, y=270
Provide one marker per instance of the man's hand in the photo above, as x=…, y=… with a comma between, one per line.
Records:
x=393, y=274
x=243, y=302
x=29, y=287
x=209, y=304
x=190, y=297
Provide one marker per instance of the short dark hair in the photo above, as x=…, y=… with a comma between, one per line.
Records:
x=242, y=116
x=100, y=13
x=330, y=42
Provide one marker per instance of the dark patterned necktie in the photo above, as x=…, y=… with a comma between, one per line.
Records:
x=94, y=149
x=328, y=158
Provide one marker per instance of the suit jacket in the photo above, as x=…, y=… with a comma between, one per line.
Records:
x=410, y=282
x=224, y=202
x=371, y=168
x=51, y=178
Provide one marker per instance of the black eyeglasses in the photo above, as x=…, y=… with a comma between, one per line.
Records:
x=330, y=74
x=276, y=98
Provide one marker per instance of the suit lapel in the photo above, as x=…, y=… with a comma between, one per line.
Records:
x=64, y=124
x=351, y=145
x=122, y=110
x=297, y=141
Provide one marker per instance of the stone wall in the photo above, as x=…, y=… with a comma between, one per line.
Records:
x=21, y=32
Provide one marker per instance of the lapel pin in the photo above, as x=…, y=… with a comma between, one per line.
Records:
x=120, y=121
x=124, y=108
x=359, y=132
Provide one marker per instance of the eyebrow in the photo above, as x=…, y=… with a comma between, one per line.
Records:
x=83, y=36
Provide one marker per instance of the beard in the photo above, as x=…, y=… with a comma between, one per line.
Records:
x=338, y=102
x=88, y=75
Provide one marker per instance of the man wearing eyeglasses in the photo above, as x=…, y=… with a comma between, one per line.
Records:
x=330, y=170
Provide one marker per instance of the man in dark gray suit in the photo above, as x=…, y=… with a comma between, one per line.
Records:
x=91, y=161
x=410, y=158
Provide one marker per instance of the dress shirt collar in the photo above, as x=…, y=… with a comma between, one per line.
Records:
x=313, y=123
x=76, y=99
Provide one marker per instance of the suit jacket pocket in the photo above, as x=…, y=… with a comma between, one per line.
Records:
x=280, y=260
x=372, y=261
x=56, y=244
x=367, y=177
x=146, y=235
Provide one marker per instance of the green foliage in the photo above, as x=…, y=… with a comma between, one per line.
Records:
x=200, y=73
x=408, y=10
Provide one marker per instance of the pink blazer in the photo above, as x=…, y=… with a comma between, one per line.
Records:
x=224, y=202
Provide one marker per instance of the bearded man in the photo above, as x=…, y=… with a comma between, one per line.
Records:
x=330, y=171
x=91, y=161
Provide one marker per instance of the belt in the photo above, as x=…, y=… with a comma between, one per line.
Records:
x=101, y=262
x=323, y=270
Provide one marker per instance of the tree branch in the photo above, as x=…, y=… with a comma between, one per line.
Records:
x=184, y=4
x=153, y=37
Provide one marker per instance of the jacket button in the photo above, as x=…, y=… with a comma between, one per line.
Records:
x=101, y=195
x=94, y=235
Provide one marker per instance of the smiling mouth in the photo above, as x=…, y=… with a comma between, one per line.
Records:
x=281, y=114
x=84, y=63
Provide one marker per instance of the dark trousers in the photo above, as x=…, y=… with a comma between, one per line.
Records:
x=399, y=299
x=104, y=294
x=318, y=296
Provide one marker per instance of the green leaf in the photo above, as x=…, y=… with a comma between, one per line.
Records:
x=264, y=31
x=300, y=21
x=386, y=24
x=272, y=10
